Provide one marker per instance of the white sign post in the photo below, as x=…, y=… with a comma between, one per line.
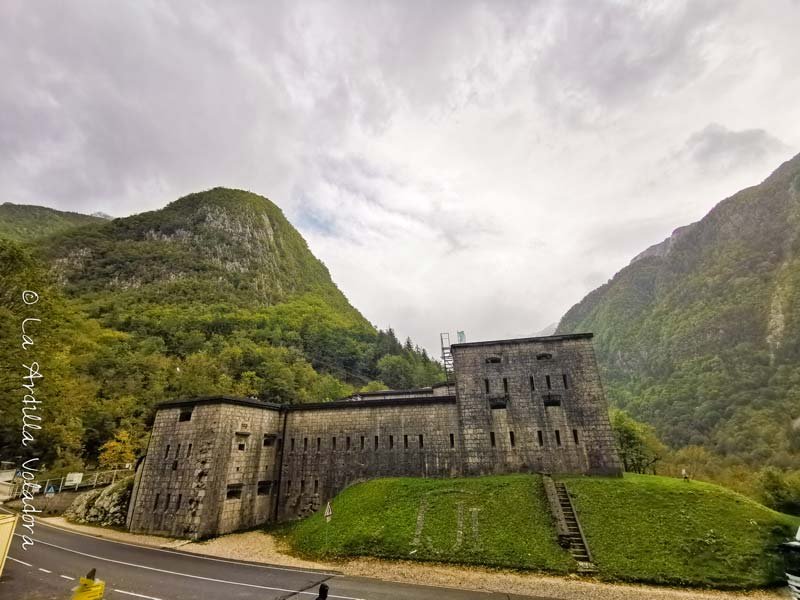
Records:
x=73, y=479
x=328, y=513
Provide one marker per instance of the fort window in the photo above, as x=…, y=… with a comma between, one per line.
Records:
x=491, y=439
x=234, y=491
x=166, y=504
x=391, y=442
x=544, y=356
x=511, y=438
x=575, y=436
x=316, y=485
x=505, y=385
x=493, y=360
x=405, y=442
x=319, y=443
x=566, y=381
x=551, y=399
x=242, y=446
x=486, y=385
x=291, y=445
x=376, y=442
x=178, y=501
x=452, y=441
x=155, y=504
x=175, y=465
x=305, y=444
x=558, y=437
x=189, y=451
x=421, y=444
x=302, y=486
x=268, y=440
x=333, y=443
x=533, y=384
x=264, y=488
x=185, y=415
x=541, y=438
x=166, y=452
x=288, y=485
x=178, y=451
x=347, y=443
x=362, y=442
x=547, y=380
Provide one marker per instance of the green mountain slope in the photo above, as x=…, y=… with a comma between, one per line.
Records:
x=700, y=335
x=24, y=223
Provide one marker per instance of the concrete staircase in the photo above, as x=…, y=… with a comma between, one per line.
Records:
x=570, y=534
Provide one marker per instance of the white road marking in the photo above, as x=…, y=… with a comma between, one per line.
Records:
x=251, y=585
x=44, y=570
x=22, y=562
x=192, y=554
x=67, y=577
x=137, y=595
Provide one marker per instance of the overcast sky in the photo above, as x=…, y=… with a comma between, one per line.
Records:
x=456, y=165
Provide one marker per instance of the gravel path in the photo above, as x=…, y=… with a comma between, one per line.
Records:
x=258, y=546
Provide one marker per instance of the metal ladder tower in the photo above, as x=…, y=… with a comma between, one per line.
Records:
x=447, y=358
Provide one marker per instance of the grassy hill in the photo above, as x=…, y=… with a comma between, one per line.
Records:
x=700, y=334
x=640, y=528
x=23, y=223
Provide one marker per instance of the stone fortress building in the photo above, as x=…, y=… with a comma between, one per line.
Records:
x=218, y=464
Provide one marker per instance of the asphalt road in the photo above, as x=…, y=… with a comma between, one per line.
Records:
x=51, y=568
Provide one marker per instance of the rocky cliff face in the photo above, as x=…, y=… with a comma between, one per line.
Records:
x=700, y=334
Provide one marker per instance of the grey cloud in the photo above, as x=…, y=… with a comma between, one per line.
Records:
x=716, y=148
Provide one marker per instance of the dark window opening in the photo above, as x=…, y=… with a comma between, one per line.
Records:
x=166, y=504
x=234, y=491
x=174, y=465
x=391, y=442
x=166, y=452
x=305, y=444
x=362, y=442
x=551, y=399
x=486, y=385
x=302, y=485
x=291, y=445
x=544, y=356
x=405, y=442
x=452, y=441
x=533, y=384
x=566, y=381
x=155, y=504
x=242, y=446
x=319, y=444
x=575, y=436
x=547, y=380
x=347, y=443
x=541, y=438
x=288, y=485
x=493, y=360
x=268, y=440
x=316, y=485
x=505, y=385
x=376, y=442
x=421, y=444
x=189, y=451
x=333, y=442
x=185, y=415
x=491, y=439
x=178, y=451
x=511, y=438
x=264, y=488
x=178, y=501
x=558, y=437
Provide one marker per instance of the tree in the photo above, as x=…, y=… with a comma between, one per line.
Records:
x=637, y=444
x=396, y=372
x=118, y=452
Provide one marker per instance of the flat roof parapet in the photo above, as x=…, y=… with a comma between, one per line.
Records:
x=527, y=340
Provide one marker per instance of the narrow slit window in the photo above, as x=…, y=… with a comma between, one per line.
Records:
x=533, y=384
x=302, y=485
x=166, y=453
x=166, y=504
x=511, y=439
x=505, y=385
x=319, y=444
x=291, y=445
x=547, y=381
x=421, y=442
x=316, y=486
x=347, y=442
x=558, y=437
x=155, y=504
x=540, y=437
x=362, y=442
x=333, y=443
x=405, y=442
x=189, y=451
x=288, y=485
x=305, y=444
x=376, y=442
x=178, y=501
x=566, y=381
x=491, y=439
x=391, y=442
x=575, y=436
x=178, y=451
x=452, y=441
x=486, y=385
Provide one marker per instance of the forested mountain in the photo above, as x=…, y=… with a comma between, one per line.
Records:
x=215, y=293
x=22, y=223
x=700, y=334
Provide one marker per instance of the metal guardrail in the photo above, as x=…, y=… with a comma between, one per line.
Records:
x=40, y=487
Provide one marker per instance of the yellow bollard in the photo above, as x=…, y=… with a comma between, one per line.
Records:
x=7, y=525
x=89, y=588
